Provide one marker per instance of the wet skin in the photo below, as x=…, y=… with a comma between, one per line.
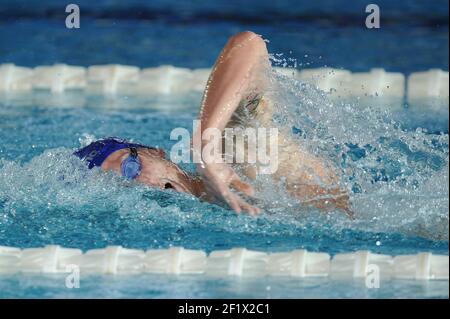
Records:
x=156, y=171
x=159, y=172
x=236, y=71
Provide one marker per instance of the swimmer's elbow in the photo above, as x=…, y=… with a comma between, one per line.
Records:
x=251, y=41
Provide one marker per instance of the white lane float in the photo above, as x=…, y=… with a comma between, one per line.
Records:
x=422, y=266
x=59, y=78
x=15, y=78
x=299, y=263
x=361, y=264
x=111, y=260
x=9, y=259
x=112, y=79
x=166, y=79
x=236, y=262
x=49, y=259
x=175, y=260
x=433, y=83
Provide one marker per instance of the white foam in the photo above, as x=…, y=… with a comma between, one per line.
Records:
x=378, y=82
x=289, y=72
x=337, y=82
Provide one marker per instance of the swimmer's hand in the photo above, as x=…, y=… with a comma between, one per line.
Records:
x=218, y=178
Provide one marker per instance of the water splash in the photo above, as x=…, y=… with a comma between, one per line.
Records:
x=55, y=199
x=397, y=179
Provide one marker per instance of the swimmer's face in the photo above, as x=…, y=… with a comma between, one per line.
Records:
x=155, y=169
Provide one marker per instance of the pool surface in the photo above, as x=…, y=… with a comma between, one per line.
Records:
x=397, y=172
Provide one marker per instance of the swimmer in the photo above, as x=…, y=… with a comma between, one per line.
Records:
x=234, y=95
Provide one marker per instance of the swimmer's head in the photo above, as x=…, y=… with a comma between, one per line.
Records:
x=154, y=168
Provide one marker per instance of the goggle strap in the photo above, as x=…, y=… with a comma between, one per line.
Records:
x=133, y=152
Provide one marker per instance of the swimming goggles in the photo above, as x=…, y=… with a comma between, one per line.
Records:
x=131, y=166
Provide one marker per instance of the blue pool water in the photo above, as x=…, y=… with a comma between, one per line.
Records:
x=399, y=178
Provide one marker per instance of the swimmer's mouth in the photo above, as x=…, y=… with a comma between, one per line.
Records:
x=168, y=184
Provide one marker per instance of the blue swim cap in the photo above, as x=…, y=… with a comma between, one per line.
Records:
x=97, y=152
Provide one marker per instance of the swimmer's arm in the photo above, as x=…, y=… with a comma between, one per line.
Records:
x=228, y=81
